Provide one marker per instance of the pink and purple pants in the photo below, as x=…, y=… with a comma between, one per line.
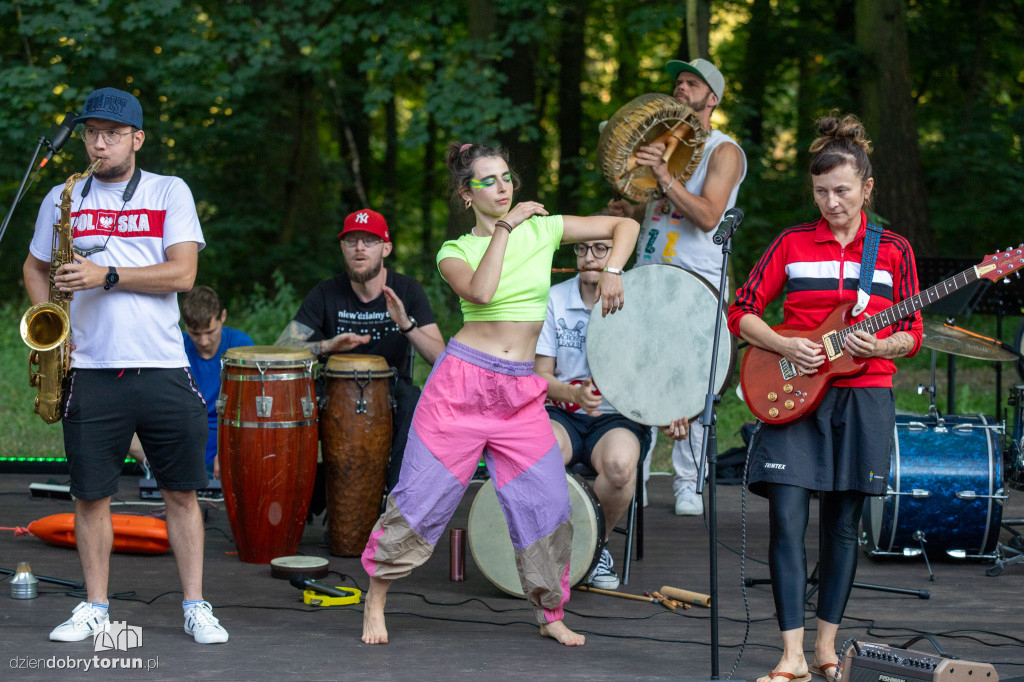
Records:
x=476, y=403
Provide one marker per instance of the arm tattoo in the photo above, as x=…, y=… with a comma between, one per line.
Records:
x=296, y=334
x=896, y=346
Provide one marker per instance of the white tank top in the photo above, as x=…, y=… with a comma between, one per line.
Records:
x=667, y=237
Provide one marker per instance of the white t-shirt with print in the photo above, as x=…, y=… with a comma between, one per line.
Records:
x=117, y=328
x=564, y=337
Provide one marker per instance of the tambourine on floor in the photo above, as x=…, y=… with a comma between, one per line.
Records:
x=652, y=359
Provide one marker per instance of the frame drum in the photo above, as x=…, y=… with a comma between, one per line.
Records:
x=491, y=545
x=652, y=359
x=267, y=444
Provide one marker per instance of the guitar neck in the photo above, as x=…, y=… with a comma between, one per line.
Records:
x=909, y=306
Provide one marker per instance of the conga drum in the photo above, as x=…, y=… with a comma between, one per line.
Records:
x=356, y=435
x=267, y=444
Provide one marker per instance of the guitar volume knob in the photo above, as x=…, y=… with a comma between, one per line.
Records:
x=773, y=396
x=789, y=404
x=773, y=413
x=788, y=388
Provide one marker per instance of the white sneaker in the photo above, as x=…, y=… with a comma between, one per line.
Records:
x=645, y=493
x=200, y=623
x=689, y=504
x=602, y=577
x=86, y=620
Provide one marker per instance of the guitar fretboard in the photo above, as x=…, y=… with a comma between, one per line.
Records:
x=909, y=306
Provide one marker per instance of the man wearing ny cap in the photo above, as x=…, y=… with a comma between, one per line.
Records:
x=373, y=310
x=137, y=239
x=678, y=227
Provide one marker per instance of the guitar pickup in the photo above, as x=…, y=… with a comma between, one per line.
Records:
x=833, y=348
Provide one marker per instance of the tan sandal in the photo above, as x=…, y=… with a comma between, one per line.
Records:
x=826, y=670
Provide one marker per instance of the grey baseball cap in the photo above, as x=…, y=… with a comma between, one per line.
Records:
x=707, y=71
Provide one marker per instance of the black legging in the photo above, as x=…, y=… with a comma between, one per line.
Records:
x=837, y=550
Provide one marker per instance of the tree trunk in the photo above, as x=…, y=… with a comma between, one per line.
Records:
x=889, y=115
x=570, y=107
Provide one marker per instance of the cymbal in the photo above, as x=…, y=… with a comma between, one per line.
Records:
x=949, y=338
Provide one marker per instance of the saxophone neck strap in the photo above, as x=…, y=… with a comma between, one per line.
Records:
x=129, y=189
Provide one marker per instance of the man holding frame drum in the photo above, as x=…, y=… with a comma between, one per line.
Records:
x=588, y=429
x=677, y=227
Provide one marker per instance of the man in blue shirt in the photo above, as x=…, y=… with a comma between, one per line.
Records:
x=206, y=339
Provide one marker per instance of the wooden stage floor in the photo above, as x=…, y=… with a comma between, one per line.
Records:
x=443, y=630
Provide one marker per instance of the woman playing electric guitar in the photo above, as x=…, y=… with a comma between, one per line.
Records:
x=842, y=447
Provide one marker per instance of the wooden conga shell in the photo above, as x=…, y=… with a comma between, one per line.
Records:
x=356, y=434
x=267, y=445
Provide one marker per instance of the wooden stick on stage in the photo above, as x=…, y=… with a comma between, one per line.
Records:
x=610, y=593
x=686, y=596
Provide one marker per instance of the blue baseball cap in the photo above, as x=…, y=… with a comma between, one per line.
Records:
x=112, y=104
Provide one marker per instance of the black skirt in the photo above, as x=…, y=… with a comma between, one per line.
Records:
x=846, y=444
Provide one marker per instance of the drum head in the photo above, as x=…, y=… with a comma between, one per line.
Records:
x=491, y=545
x=647, y=119
x=350, y=362
x=251, y=355
x=652, y=359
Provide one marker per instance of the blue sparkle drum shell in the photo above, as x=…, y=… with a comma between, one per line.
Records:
x=945, y=489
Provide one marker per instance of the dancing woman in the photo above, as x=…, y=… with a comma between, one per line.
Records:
x=842, y=450
x=483, y=396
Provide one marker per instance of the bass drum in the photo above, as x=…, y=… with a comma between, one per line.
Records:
x=652, y=359
x=491, y=545
x=945, y=490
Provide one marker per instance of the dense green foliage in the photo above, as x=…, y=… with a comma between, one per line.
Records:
x=283, y=117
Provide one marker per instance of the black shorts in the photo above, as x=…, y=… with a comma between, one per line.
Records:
x=845, y=444
x=584, y=431
x=106, y=406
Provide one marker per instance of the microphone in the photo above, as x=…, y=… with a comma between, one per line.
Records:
x=64, y=130
x=303, y=583
x=733, y=218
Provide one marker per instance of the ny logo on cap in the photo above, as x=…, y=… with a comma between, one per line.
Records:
x=363, y=217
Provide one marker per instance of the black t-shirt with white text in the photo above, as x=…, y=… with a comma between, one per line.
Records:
x=333, y=308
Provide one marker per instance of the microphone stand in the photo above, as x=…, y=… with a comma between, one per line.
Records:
x=21, y=190
x=709, y=448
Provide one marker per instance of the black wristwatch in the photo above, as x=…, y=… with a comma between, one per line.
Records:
x=412, y=325
x=112, y=278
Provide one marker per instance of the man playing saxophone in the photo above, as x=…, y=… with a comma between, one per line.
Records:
x=136, y=239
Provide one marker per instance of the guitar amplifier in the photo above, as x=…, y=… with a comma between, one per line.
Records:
x=883, y=663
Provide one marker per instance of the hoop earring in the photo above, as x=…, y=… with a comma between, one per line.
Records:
x=469, y=203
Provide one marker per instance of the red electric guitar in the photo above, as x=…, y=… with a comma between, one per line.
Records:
x=778, y=393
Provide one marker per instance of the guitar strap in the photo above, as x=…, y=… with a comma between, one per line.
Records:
x=872, y=238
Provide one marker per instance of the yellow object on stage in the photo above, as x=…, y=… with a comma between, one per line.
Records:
x=314, y=598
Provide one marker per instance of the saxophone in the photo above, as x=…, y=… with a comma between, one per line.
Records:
x=46, y=327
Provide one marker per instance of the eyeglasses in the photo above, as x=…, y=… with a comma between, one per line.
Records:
x=352, y=242
x=599, y=250
x=109, y=136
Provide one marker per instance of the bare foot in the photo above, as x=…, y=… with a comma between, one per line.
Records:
x=558, y=632
x=374, y=630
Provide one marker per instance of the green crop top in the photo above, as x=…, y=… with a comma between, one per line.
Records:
x=522, y=294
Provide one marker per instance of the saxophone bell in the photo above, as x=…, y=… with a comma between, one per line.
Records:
x=45, y=326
